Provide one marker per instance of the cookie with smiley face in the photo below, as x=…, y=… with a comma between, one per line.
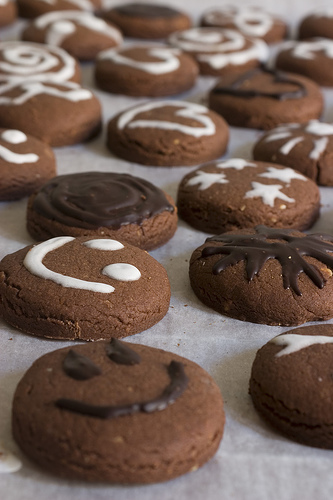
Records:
x=82, y=288
x=117, y=412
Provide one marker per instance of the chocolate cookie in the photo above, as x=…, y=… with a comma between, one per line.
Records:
x=8, y=12
x=147, y=20
x=264, y=99
x=311, y=58
x=81, y=34
x=34, y=8
x=168, y=133
x=305, y=147
x=117, y=412
x=95, y=204
x=82, y=288
x=236, y=193
x=221, y=51
x=59, y=114
x=251, y=21
x=25, y=164
x=291, y=384
x=144, y=70
x=320, y=23
x=271, y=276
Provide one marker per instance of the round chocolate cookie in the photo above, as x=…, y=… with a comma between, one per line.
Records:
x=104, y=204
x=320, y=23
x=8, y=12
x=58, y=114
x=168, y=133
x=263, y=99
x=147, y=20
x=306, y=147
x=34, y=8
x=251, y=21
x=265, y=275
x=291, y=384
x=221, y=51
x=25, y=164
x=237, y=193
x=311, y=58
x=81, y=34
x=117, y=412
x=145, y=70
x=82, y=289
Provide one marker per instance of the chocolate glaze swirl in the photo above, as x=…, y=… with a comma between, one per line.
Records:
x=99, y=199
x=148, y=10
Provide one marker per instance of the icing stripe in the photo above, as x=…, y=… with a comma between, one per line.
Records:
x=293, y=342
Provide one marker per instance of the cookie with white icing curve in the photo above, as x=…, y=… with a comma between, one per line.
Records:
x=59, y=114
x=168, y=133
x=306, y=147
x=25, y=164
x=82, y=289
x=266, y=275
x=81, y=34
x=219, y=52
x=237, y=193
x=145, y=70
x=291, y=384
x=34, y=8
x=319, y=23
x=8, y=12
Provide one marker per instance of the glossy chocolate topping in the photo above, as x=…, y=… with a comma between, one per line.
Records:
x=120, y=353
x=278, y=244
x=80, y=367
x=148, y=10
x=99, y=199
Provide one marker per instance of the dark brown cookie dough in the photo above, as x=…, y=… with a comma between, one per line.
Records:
x=320, y=23
x=82, y=289
x=270, y=276
x=147, y=20
x=237, y=193
x=168, y=133
x=291, y=384
x=81, y=34
x=145, y=70
x=264, y=99
x=34, y=8
x=118, y=413
x=117, y=206
x=251, y=21
x=221, y=51
x=8, y=12
x=306, y=147
x=25, y=164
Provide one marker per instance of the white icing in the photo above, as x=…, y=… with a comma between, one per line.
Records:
x=72, y=92
x=4, y=2
x=59, y=31
x=319, y=147
x=82, y=4
x=294, y=342
x=236, y=163
x=104, y=244
x=206, y=179
x=288, y=146
x=122, y=272
x=258, y=50
x=8, y=461
x=14, y=136
x=282, y=174
x=206, y=40
x=318, y=128
x=249, y=20
x=187, y=110
x=277, y=136
x=268, y=193
x=170, y=61
x=17, y=158
x=307, y=50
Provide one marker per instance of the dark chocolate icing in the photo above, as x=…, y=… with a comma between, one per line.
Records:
x=99, y=199
x=80, y=367
x=148, y=10
x=236, y=89
x=120, y=353
x=255, y=249
x=177, y=385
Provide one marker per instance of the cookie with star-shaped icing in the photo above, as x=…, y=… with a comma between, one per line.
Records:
x=236, y=193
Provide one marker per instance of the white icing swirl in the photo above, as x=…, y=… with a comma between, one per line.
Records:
x=293, y=342
x=307, y=50
x=257, y=51
x=206, y=40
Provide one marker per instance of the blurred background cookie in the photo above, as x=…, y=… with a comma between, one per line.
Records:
x=8, y=12
x=318, y=23
x=34, y=8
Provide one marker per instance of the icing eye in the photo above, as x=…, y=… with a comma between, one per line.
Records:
x=120, y=353
x=79, y=367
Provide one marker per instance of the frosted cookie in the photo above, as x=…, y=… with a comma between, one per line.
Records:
x=23, y=61
x=311, y=58
x=237, y=193
x=8, y=12
x=82, y=289
x=135, y=414
x=291, y=384
x=145, y=70
x=305, y=147
x=25, y=164
x=147, y=20
x=81, y=34
x=265, y=275
x=320, y=23
x=34, y=8
x=59, y=114
x=168, y=133
x=119, y=206
x=251, y=21
x=264, y=99
x=221, y=51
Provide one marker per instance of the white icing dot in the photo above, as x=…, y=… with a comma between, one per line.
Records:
x=14, y=136
x=122, y=272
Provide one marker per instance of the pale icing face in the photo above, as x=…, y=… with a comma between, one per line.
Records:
x=16, y=137
x=293, y=342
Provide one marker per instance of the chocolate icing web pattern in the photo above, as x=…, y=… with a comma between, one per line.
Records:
x=256, y=249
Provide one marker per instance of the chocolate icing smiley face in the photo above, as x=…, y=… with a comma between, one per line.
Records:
x=118, y=412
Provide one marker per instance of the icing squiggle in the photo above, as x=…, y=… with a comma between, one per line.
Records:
x=249, y=20
x=293, y=342
x=72, y=92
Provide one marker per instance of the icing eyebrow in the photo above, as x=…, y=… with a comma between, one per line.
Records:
x=79, y=367
x=120, y=353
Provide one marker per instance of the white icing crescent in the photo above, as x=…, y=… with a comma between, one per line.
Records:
x=8, y=461
x=268, y=193
x=122, y=272
x=206, y=179
x=320, y=146
x=257, y=51
x=169, y=60
x=294, y=342
x=282, y=174
x=236, y=163
x=288, y=146
x=14, y=136
x=307, y=50
x=249, y=20
x=187, y=110
x=82, y=4
x=72, y=92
